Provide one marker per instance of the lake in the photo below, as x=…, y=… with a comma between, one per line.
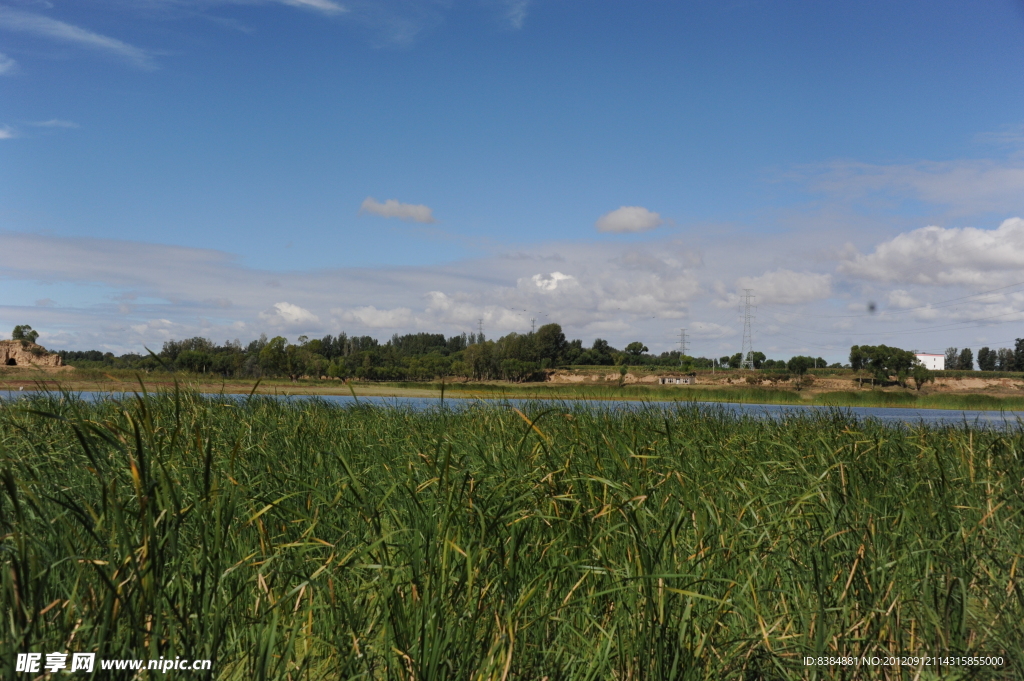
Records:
x=981, y=419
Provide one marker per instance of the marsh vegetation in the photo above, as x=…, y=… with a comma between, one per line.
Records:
x=299, y=540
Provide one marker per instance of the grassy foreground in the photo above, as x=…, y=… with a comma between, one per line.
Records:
x=305, y=541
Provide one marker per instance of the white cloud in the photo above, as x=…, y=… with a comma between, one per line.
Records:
x=287, y=314
x=628, y=219
x=6, y=133
x=591, y=288
x=37, y=24
x=7, y=65
x=516, y=12
x=369, y=316
x=965, y=186
x=901, y=299
x=710, y=330
x=945, y=256
x=54, y=123
x=549, y=282
x=159, y=327
x=786, y=287
x=322, y=5
x=393, y=209
x=1009, y=136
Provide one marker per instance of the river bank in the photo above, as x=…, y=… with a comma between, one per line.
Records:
x=948, y=393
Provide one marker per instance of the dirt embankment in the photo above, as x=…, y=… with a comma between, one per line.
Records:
x=992, y=386
x=14, y=354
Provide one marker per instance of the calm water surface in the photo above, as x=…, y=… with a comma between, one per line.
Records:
x=989, y=419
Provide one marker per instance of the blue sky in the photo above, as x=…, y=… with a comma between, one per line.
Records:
x=171, y=168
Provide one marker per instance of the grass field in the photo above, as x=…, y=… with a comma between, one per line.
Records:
x=305, y=541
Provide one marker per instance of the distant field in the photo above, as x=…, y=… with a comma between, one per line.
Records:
x=304, y=541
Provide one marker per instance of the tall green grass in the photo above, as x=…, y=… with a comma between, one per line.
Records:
x=308, y=541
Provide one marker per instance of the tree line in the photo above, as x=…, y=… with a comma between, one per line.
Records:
x=989, y=359
x=412, y=357
x=513, y=357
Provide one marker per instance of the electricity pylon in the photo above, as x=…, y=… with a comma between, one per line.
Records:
x=682, y=345
x=747, y=354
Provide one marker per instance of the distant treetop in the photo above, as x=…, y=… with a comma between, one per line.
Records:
x=24, y=332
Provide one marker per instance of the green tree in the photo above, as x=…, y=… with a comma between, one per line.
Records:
x=550, y=343
x=884, y=361
x=759, y=358
x=24, y=333
x=635, y=349
x=800, y=364
x=986, y=359
x=573, y=351
x=736, y=361
x=273, y=359
x=479, y=358
x=952, y=359
x=195, y=361
x=600, y=353
x=922, y=375
x=965, y=362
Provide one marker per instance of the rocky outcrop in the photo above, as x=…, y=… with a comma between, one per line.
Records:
x=22, y=354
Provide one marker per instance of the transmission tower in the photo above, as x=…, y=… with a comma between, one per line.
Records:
x=682, y=345
x=480, y=330
x=533, y=325
x=747, y=354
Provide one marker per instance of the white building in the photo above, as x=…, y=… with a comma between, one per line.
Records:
x=933, y=362
x=676, y=380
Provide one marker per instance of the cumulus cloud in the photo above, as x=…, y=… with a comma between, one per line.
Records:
x=628, y=219
x=394, y=209
x=549, y=282
x=786, y=287
x=945, y=256
x=287, y=314
x=43, y=26
x=7, y=65
x=591, y=289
